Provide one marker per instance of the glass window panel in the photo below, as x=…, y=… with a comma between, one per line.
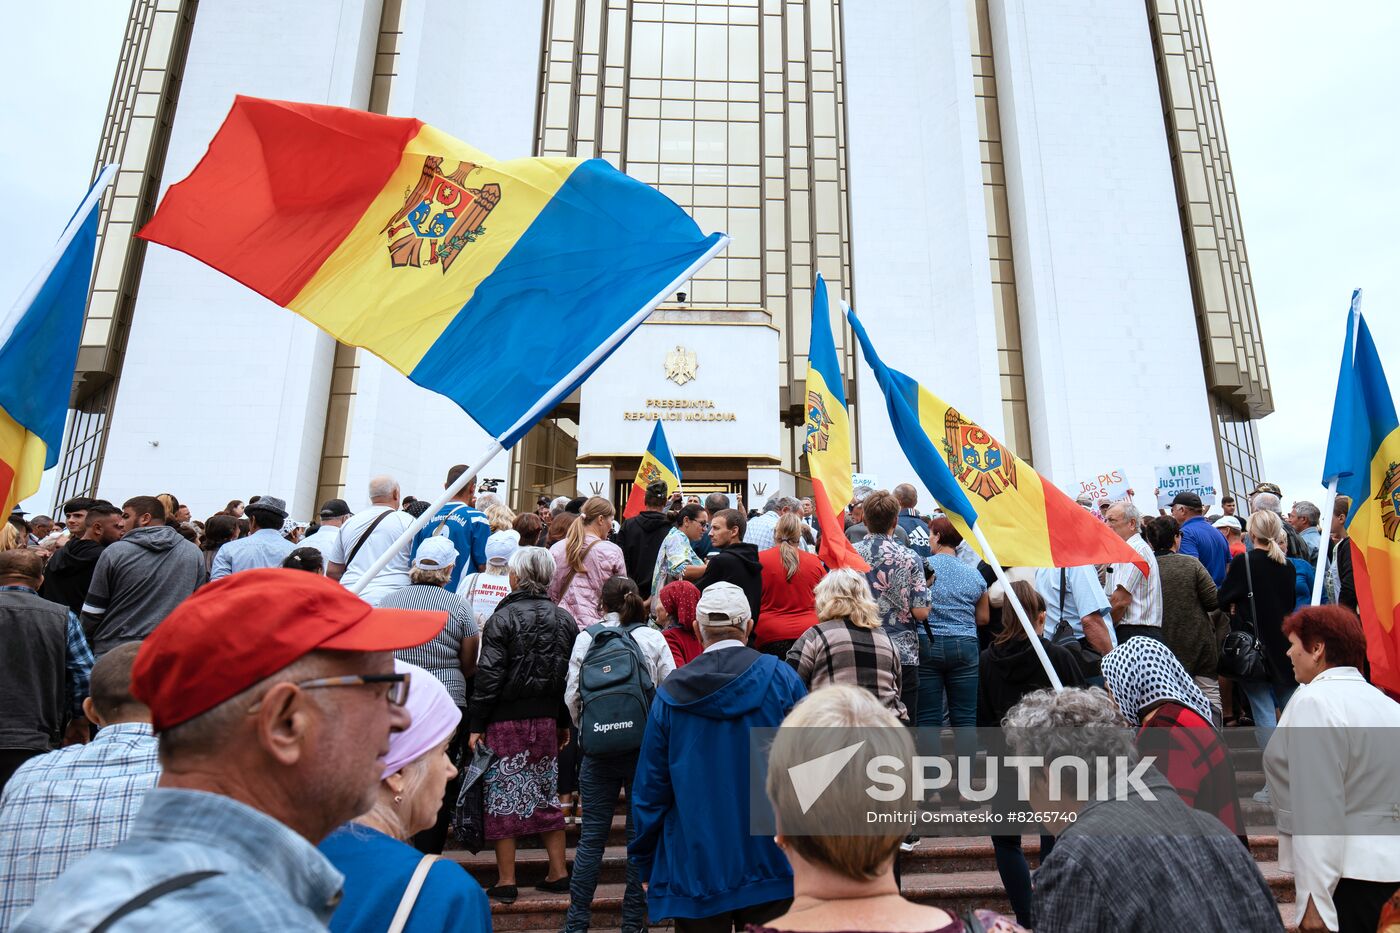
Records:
x=710, y=145
x=711, y=110
x=743, y=53
x=710, y=175
x=678, y=90
x=743, y=143
x=676, y=174
x=646, y=108
x=646, y=52
x=643, y=138
x=677, y=141
x=744, y=227
x=710, y=196
x=678, y=51
x=711, y=53
x=678, y=109
x=743, y=175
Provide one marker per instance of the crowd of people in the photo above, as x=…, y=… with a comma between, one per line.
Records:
x=174, y=749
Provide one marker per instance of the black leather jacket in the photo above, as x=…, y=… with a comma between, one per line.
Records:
x=525, y=648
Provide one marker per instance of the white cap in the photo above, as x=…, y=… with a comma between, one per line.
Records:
x=435, y=553
x=501, y=545
x=1229, y=521
x=722, y=605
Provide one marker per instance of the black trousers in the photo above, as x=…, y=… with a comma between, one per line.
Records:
x=758, y=915
x=11, y=759
x=1128, y=631
x=1359, y=904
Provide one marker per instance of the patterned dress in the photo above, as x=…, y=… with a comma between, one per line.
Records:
x=897, y=583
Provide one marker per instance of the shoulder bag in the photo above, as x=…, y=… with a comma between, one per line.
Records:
x=350, y=558
x=1242, y=653
x=1090, y=661
x=569, y=578
x=410, y=894
x=153, y=893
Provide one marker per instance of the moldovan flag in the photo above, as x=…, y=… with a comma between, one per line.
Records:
x=657, y=464
x=39, y=350
x=828, y=443
x=1027, y=520
x=501, y=285
x=1363, y=455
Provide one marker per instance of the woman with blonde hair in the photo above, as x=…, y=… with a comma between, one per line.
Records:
x=1257, y=594
x=584, y=561
x=848, y=645
x=789, y=576
x=11, y=537
x=500, y=517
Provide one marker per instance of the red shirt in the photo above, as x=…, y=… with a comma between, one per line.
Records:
x=788, y=607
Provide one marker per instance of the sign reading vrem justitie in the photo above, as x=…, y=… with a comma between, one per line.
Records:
x=1186, y=477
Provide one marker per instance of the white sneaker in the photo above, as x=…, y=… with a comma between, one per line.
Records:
x=1262, y=795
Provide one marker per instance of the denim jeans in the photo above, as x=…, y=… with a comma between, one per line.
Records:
x=948, y=668
x=1264, y=697
x=599, y=781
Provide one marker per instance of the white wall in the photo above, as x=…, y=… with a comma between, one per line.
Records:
x=1113, y=364
x=918, y=216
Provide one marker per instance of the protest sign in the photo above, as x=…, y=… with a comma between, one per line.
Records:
x=1185, y=477
x=1110, y=484
x=863, y=479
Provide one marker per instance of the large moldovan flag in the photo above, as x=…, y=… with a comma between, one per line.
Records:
x=39, y=350
x=1363, y=455
x=501, y=285
x=657, y=464
x=1027, y=520
x=828, y=443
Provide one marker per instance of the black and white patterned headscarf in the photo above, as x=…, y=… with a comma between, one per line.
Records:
x=1143, y=671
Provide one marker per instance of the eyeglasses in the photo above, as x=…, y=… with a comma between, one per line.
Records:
x=397, y=694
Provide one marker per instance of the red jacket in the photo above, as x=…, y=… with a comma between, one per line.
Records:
x=789, y=606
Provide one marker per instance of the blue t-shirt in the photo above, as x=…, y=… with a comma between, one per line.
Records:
x=468, y=530
x=1204, y=542
x=377, y=869
x=953, y=596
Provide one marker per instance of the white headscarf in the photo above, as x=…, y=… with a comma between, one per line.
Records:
x=1143, y=671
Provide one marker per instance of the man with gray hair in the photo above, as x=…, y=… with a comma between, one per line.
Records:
x=693, y=844
x=1134, y=597
x=368, y=534
x=1268, y=498
x=1188, y=870
x=760, y=530
x=1305, y=519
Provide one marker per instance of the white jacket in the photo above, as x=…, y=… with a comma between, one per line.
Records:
x=655, y=651
x=1335, y=762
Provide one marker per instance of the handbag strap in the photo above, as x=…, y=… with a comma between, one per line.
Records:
x=569, y=580
x=410, y=894
x=365, y=537
x=1253, y=607
x=168, y=886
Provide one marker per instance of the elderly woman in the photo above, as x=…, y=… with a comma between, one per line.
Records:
x=1332, y=769
x=848, y=644
x=584, y=561
x=675, y=613
x=450, y=656
x=1188, y=600
x=484, y=590
x=1155, y=693
x=518, y=710
x=384, y=876
x=842, y=873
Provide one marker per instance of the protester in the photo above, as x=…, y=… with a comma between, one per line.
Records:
x=484, y=590
x=140, y=579
x=911, y=523
x=62, y=805
x=675, y=613
x=693, y=847
x=715, y=503
x=842, y=874
x=1343, y=583
x=1229, y=526
x=1078, y=615
x=559, y=528
x=1257, y=594
x=1141, y=859
x=583, y=562
x=1269, y=498
x=1134, y=597
x=641, y=535
x=75, y=515
x=383, y=874
x=261, y=759
x=602, y=777
x=1155, y=692
x=307, y=559
x=265, y=547
x=1227, y=505
x=897, y=584
x=676, y=558
x=787, y=605
x=948, y=646
x=463, y=520
x=732, y=560
x=1198, y=539
x=1331, y=770
x=1304, y=518
x=68, y=574
x=517, y=708
x=531, y=529
x=364, y=538
x=857, y=529
x=332, y=516
x=13, y=538
x=1188, y=607
x=848, y=645
x=759, y=531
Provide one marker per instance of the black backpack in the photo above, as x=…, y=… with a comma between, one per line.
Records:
x=615, y=692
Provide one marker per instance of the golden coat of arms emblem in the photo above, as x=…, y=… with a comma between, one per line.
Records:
x=440, y=213
x=681, y=365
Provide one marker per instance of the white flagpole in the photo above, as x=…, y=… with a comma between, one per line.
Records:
x=1325, y=523
x=548, y=399
x=990, y=556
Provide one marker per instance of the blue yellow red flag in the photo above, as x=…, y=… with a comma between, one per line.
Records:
x=39, y=350
x=828, y=439
x=501, y=285
x=657, y=464
x=1026, y=519
x=1363, y=455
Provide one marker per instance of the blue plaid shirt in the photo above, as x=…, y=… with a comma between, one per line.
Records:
x=271, y=879
x=60, y=806
x=78, y=665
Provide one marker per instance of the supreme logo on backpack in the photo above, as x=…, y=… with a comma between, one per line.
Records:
x=615, y=692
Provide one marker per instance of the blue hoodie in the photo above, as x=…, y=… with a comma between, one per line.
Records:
x=690, y=800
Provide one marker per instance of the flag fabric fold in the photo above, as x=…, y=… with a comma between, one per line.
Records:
x=828, y=438
x=447, y=264
x=657, y=464
x=1027, y=520
x=39, y=350
x=1363, y=455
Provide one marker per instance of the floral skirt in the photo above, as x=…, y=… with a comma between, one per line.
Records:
x=522, y=783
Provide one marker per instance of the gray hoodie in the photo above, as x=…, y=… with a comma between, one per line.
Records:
x=137, y=582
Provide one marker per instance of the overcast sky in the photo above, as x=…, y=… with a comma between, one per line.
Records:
x=1308, y=93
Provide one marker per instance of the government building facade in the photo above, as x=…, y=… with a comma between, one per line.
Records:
x=1030, y=205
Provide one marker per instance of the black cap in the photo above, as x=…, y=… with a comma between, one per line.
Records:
x=334, y=508
x=1188, y=499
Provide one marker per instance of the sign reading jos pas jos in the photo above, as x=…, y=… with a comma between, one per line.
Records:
x=1185, y=477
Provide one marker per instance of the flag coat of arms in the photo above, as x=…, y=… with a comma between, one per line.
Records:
x=828, y=438
x=501, y=285
x=657, y=464
x=1363, y=455
x=977, y=480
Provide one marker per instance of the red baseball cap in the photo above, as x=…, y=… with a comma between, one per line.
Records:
x=247, y=626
